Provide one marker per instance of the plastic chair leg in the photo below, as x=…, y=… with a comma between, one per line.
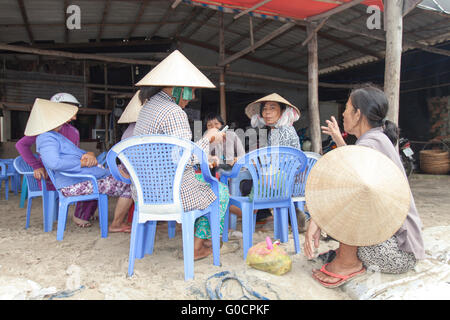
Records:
x=49, y=211
x=6, y=189
x=171, y=225
x=188, y=245
x=276, y=223
x=30, y=201
x=149, y=236
x=62, y=218
x=133, y=242
x=226, y=224
x=294, y=228
x=214, y=222
x=233, y=221
x=24, y=193
x=103, y=214
x=284, y=230
x=247, y=227
x=140, y=240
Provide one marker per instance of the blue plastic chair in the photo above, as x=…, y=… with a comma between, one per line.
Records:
x=49, y=198
x=65, y=202
x=156, y=164
x=9, y=173
x=23, y=193
x=101, y=158
x=273, y=170
x=4, y=177
x=13, y=175
x=298, y=195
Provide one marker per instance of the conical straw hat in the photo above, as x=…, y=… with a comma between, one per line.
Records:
x=176, y=71
x=131, y=112
x=255, y=107
x=47, y=115
x=357, y=195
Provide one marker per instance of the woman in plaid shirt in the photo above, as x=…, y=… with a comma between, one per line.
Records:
x=163, y=114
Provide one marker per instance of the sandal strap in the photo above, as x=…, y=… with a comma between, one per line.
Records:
x=334, y=275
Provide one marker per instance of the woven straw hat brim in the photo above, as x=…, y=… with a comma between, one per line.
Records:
x=176, y=71
x=131, y=112
x=255, y=107
x=47, y=115
x=357, y=195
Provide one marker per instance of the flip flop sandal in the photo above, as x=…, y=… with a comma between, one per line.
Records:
x=87, y=224
x=328, y=256
x=343, y=279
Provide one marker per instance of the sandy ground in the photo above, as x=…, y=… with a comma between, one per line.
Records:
x=34, y=263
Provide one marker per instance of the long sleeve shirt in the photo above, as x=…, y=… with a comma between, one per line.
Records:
x=59, y=154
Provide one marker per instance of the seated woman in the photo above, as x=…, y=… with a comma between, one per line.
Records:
x=85, y=210
x=60, y=155
x=365, y=117
x=163, y=113
x=231, y=148
x=277, y=115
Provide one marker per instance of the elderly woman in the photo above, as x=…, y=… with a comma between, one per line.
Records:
x=365, y=117
x=277, y=115
x=84, y=210
x=163, y=113
x=60, y=155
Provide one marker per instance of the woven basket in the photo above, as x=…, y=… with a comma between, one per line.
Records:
x=435, y=161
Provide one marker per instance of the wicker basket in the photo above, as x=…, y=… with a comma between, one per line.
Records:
x=435, y=161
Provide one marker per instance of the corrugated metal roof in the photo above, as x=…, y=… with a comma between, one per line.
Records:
x=337, y=50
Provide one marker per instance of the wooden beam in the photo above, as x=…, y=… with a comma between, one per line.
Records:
x=247, y=57
x=66, y=30
x=259, y=43
x=316, y=29
x=313, y=90
x=23, y=12
x=175, y=4
x=409, y=5
x=199, y=25
x=216, y=34
x=381, y=37
x=161, y=22
x=188, y=19
x=223, y=106
x=102, y=23
x=244, y=36
x=256, y=6
x=137, y=20
x=335, y=10
x=394, y=30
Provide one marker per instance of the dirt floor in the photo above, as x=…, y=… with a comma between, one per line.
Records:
x=34, y=265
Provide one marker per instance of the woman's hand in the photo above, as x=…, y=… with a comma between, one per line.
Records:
x=213, y=161
x=88, y=160
x=333, y=130
x=40, y=173
x=214, y=135
x=312, y=236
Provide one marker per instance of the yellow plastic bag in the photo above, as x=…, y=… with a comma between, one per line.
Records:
x=269, y=257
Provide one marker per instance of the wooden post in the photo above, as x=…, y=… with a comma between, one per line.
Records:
x=394, y=27
x=223, y=105
x=313, y=90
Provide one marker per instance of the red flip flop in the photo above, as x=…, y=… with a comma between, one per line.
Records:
x=343, y=278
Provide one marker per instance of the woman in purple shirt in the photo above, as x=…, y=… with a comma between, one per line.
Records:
x=85, y=210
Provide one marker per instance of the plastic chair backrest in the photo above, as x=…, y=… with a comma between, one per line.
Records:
x=24, y=168
x=300, y=183
x=272, y=170
x=156, y=165
x=101, y=158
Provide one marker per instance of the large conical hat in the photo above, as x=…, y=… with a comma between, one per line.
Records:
x=176, y=71
x=47, y=115
x=255, y=107
x=131, y=112
x=357, y=195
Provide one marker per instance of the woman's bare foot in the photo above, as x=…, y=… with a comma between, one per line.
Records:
x=81, y=223
x=208, y=243
x=120, y=228
x=201, y=253
x=337, y=266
